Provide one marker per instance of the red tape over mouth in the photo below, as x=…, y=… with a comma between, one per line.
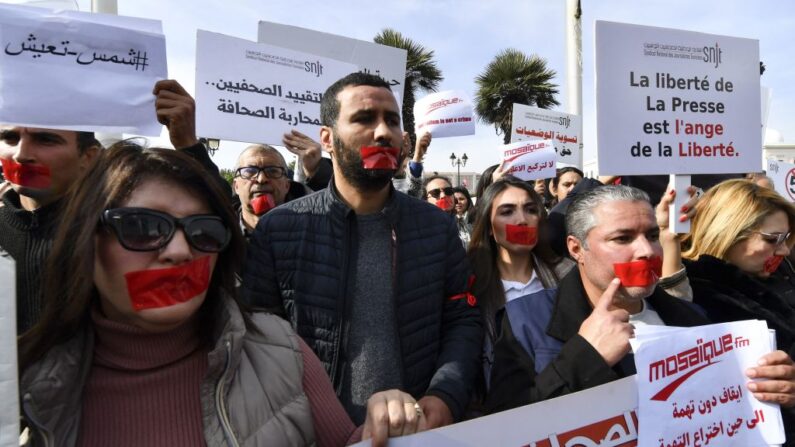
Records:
x=24, y=174
x=262, y=204
x=445, y=203
x=772, y=263
x=640, y=273
x=521, y=234
x=380, y=157
x=156, y=288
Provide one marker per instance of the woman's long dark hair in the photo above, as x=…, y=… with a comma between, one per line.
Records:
x=470, y=211
x=483, y=250
x=69, y=289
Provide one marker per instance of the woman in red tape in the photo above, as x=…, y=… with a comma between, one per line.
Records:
x=509, y=252
x=143, y=341
x=438, y=191
x=736, y=257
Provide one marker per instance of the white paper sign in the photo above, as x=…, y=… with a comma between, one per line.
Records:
x=444, y=114
x=9, y=384
x=65, y=70
x=676, y=102
x=767, y=96
x=369, y=57
x=532, y=123
x=529, y=160
x=692, y=386
x=783, y=177
x=604, y=416
x=253, y=92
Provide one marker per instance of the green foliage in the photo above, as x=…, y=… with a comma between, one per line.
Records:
x=422, y=73
x=513, y=77
x=228, y=175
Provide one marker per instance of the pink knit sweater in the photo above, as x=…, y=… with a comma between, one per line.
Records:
x=143, y=389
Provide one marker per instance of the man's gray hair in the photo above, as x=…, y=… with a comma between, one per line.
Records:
x=580, y=215
x=262, y=149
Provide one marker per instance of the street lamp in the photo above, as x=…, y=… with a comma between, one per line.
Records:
x=458, y=162
x=211, y=144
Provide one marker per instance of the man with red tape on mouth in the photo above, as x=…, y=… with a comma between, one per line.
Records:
x=262, y=183
x=39, y=165
x=579, y=333
x=375, y=281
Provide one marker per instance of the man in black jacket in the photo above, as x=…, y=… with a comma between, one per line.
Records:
x=40, y=165
x=576, y=337
x=376, y=282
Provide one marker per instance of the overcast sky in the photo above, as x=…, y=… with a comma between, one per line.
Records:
x=466, y=34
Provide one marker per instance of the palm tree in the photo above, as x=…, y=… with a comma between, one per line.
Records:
x=513, y=77
x=421, y=73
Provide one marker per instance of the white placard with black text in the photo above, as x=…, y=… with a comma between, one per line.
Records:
x=533, y=123
x=255, y=93
x=676, y=102
x=79, y=71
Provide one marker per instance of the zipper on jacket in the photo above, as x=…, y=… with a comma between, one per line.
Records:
x=342, y=333
x=401, y=369
x=45, y=435
x=219, y=400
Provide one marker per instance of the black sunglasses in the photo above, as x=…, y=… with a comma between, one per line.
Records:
x=271, y=172
x=142, y=229
x=435, y=193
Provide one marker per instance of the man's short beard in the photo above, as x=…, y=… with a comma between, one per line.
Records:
x=350, y=162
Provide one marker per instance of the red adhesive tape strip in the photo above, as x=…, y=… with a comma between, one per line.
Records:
x=521, y=234
x=155, y=288
x=640, y=273
x=445, y=203
x=772, y=263
x=24, y=174
x=380, y=157
x=262, y=204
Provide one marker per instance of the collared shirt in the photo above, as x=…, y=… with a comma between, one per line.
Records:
x=516, y=289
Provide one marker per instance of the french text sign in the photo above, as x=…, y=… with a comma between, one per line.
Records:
x=444, y=114
x=253, y=92
x=676, y=102
x=65, y=70
x=387, y=62
x=565, y=130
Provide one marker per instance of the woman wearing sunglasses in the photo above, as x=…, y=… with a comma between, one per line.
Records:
x=740, y=235
x=143, y=342
x=438, y=191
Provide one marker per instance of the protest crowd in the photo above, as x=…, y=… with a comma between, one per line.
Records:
x=355, y=296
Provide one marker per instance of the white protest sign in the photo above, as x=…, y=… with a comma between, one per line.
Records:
x=369, y=57
x=692, y=386
x=9, y=384
x=676, y=102
x=605, y=416
x=444, y=114
x=79, y=71
x=532, y=123
x=783, y=177
x=529, y=160
x=253, y=92
x=767, y=96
